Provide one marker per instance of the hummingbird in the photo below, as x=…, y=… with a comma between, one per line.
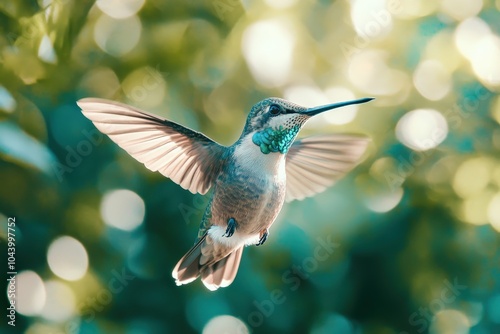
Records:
x=251, y=179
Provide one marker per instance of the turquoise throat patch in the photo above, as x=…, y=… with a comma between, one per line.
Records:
x=275, y=140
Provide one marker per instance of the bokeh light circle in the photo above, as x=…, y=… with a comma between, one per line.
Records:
x=485, y=59
x=117, y=37
x=432, y=80
x=449, y=321
x=474, y=209
x=371, y=19
x=60, y=304
x=67, y=258
x=123, y=209
x=30, y=293
x=145, y=87
x=466, y=186
x=369, y=71
x=268, y=50
x=226, y=324
x=99, y=81
x=461, y=9
x=409, y=9
x=384, y=201
x=120, y=9
x=468, y=33
x=494, y=212
x=280, y=4
x=422, y=129
x=305, y=95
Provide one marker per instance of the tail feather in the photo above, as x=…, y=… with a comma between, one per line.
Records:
x=217, y=264
x=188, y=267
x=222, y=273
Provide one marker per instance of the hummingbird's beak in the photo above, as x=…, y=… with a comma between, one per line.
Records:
x=320, y=109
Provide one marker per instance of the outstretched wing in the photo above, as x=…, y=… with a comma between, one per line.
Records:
x=315, y=163
x=187, y=157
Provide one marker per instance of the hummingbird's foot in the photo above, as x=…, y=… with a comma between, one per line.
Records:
x=231, y=227
x=263, y=237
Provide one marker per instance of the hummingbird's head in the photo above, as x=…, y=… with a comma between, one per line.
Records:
x=274, y=123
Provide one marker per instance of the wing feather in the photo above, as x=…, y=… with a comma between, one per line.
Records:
x=315, y=163
x=187, y=157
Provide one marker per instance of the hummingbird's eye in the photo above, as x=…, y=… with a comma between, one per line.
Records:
x=274, y=109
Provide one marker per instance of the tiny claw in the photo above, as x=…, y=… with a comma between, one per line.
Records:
x=231, y=227
x=263, y=237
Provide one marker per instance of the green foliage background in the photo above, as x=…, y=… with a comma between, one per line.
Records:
x=188, y=66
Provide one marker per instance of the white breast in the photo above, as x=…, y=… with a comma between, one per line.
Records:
x=248, y=156
x=235, y=241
